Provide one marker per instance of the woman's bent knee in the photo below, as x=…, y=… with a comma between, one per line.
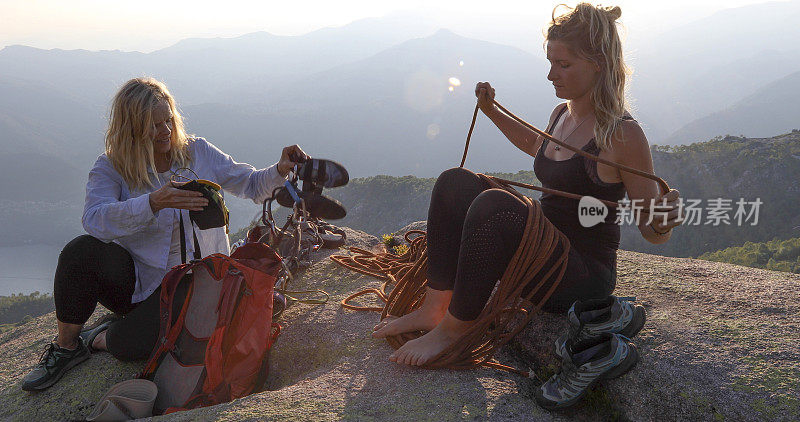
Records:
x=455, y=177
x=79, y=246
x=493, y=201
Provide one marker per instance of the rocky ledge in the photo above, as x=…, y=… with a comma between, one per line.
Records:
x=721, y=343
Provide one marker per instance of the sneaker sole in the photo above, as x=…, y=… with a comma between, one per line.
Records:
x=624, y=366
x=317, y=205
x=329, y=174
x=59, y=374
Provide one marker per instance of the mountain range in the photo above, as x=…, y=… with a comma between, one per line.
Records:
x=389, y=95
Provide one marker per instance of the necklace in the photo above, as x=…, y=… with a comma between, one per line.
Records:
x=558, y=147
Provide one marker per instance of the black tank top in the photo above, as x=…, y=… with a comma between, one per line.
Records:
x=579, y=175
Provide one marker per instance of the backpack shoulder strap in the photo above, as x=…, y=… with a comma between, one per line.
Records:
x=197, y=254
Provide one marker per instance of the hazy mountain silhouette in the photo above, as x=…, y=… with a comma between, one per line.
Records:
x=200, y=70
x=770, y=110
x=375, y=95
x=391, y=113
x=700, y=68
x=39, y=117
x=710, y=64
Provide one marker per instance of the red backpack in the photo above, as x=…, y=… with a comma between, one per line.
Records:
x=216, y=329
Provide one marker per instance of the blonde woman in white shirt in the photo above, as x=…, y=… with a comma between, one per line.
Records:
x=132, y=216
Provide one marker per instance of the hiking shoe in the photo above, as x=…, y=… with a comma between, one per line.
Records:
x=591, y=318
x=53, y=364
x=90, y=333
x=584, y=364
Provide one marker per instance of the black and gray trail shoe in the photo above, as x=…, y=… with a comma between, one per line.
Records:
x=583, y=365
x=53, y=364
x=594, y=317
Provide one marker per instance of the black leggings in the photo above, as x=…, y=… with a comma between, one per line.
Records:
x=91, y=271
x=473, y=232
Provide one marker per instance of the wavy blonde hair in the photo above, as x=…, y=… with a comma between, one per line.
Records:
x=591, y=33
x=129, y=138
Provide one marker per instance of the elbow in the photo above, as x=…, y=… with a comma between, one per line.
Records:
x=652, y=237
x=658, y=239
x=85, y=222
x=92, y=229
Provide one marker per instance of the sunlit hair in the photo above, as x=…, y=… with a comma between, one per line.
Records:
x=129, y=138
x=591, y=33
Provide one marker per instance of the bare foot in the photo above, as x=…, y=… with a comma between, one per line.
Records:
x=424, y=318
x=99, y=342
x=419, y=351
x=384, y=321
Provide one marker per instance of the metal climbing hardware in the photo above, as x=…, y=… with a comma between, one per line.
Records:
x=305, y=231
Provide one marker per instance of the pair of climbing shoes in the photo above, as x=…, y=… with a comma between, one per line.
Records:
x=316, y=174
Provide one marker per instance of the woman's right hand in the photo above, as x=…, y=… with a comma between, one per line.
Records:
x=170, y=197
x=485, y=94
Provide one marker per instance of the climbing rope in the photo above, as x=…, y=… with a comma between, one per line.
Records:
x=493, y=328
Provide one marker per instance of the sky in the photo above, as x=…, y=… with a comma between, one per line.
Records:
x=148, y=25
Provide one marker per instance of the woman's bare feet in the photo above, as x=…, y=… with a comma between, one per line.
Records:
x=424, y=318
x=419, y=351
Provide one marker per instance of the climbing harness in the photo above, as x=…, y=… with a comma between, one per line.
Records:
x=406, y=274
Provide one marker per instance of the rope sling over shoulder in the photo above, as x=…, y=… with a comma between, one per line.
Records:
x=406, y=273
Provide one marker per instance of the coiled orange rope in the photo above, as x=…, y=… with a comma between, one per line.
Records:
x=492, y=329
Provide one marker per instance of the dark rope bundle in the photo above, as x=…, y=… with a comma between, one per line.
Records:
x=492, y=329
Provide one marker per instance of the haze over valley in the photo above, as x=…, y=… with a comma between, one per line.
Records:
x=391, y=95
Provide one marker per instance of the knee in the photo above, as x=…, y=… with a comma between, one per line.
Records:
x=78, y=247
x=454, y=178
x=494, y=201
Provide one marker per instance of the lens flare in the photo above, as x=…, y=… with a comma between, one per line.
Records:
x=433, y=131
x=450, y=88
x=423, y=91
x=461, y=63
x=454, y=81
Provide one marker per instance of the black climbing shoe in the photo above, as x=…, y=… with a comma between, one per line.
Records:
x=53, y=364
x=90, y=333
x=332, y=237
x=317, y=204
x=323, y=173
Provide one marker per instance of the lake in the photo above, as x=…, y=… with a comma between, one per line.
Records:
x=28, y=268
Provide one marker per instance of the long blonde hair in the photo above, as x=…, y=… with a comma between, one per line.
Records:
x=591, y=33
x=129, y=137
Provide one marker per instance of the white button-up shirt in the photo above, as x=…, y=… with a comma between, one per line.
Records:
x=115, y=213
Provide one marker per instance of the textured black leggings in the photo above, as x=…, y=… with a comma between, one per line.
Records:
x=91, y=271
x=473, y=232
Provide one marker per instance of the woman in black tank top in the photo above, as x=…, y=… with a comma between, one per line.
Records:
x=473, y=230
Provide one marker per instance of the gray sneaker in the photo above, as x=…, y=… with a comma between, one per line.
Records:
x=54, y=362
x=591, y=318
x=583, y=365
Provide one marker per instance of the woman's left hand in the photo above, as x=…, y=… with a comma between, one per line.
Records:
x=291, y=156
x=672, y=210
